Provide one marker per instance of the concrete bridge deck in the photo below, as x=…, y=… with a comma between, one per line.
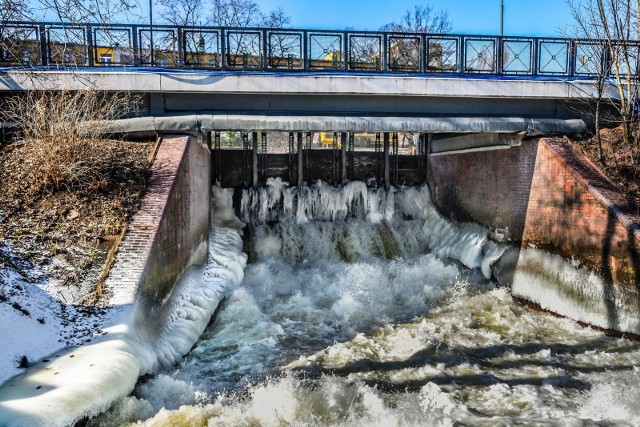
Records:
x=196, y=101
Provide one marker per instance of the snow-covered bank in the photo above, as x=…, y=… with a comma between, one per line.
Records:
x=84, y=381
x=36, y=321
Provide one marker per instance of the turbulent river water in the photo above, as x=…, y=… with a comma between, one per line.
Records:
x=365, y=307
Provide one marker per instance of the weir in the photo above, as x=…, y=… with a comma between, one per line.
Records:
x=350, y=271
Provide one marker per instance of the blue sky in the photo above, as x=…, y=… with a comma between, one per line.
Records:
x=522, y=17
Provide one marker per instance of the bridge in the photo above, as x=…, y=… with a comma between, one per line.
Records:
x=319, y=84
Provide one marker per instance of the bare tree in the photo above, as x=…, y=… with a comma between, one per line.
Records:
x=184, y=12
x=405, y=50
x=422, y=19
x=83, y=11
x=237, y=13
x=277, y=18
x=605, y=28
x=14, y=10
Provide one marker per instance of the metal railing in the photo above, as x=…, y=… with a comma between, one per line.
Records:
x=302, y=50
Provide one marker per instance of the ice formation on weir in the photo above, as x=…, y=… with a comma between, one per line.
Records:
x=84, y=381
x=573, y=291
x=277, y=201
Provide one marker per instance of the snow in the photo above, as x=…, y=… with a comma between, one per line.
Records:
x=34, y=322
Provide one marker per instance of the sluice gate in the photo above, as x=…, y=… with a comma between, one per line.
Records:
x=248, y=159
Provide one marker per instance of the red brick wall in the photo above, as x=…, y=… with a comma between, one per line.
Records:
x=487, y=187
x=547, y=196
x=173, y=220
x=575, y=210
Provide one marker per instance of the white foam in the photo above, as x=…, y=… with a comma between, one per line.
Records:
x=279, y=203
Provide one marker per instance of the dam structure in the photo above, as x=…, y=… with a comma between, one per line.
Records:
x=337, y=238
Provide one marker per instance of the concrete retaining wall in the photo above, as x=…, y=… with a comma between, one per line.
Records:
x=171, y=229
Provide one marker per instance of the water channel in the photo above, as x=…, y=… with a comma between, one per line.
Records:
x=365, y=307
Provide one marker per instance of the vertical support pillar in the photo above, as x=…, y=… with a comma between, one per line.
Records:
x=387, y=184
x=308, y=156
x=378, y=151
x=245, y=159
x=334, y=159
x=218, y=160
x=351, y=156
x=300, y=161
x=212, y=157
x=427, y=150
x=396, y=156
x=343, y=157
x=292, y=153
x=254, y=160
x=264, y=158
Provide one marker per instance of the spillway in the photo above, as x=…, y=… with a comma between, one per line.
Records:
x=360, y=306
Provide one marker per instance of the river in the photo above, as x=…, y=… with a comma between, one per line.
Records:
x=365, y=307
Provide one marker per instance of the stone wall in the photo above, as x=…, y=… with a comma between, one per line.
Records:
x=488, y=187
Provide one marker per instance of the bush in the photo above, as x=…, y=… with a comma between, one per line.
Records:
x=60, y=135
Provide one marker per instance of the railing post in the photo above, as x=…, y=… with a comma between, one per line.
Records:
x=90, y=47
x=223, y=49
x=605, y=61
x=385, y=52
x=136, y=48
x=463, y=55
x=571, y=59
x=424, y=62
x=265, y=51
x=500, y=56
x=345, y=48
x=181, y=47
x=44, y=52
x=305, y=51
x=534, y=57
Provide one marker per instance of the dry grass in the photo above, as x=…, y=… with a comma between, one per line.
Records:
x=67, y=189
x=61, y=136
x=618, y=165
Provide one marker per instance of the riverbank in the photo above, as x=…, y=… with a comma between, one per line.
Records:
x=54, y=246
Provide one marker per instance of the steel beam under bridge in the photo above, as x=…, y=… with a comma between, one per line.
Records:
x=201, y=123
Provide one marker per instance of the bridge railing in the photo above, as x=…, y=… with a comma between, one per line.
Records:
x=300, y=50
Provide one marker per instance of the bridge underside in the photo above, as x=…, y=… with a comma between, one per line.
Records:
x=197, y=102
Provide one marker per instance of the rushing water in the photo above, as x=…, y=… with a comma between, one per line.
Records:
x=365, y=307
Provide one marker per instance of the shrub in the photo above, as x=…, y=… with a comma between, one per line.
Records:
x=60, y=134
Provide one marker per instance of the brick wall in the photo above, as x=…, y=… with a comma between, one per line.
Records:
x=172, y=222
x=487, y=187
x=576, y=211
x=548, y=197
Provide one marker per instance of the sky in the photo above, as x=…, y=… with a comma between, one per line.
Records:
x=522, y=17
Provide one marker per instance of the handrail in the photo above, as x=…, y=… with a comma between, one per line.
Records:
x=262, y=49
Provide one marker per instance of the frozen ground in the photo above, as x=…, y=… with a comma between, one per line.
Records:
x=38, y=315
